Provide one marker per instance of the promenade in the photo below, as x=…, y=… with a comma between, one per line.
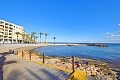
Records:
x=15, y=68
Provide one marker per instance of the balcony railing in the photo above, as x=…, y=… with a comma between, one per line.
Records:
x=1, y=23
x=1, y=30
x=1, y=27
x=1, y=33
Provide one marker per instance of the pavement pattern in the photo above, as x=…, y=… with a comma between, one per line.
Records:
x=15, y=68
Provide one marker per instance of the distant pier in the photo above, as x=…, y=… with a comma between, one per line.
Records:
x=88, y=44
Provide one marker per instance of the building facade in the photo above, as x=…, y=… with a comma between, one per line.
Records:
x=9, y=32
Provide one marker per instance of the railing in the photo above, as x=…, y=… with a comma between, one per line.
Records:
x=68, y=64
x=55, y=62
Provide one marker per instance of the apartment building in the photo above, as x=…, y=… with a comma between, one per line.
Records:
x=8, y=32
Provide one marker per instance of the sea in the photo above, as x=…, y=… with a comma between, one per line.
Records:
x=109, y=54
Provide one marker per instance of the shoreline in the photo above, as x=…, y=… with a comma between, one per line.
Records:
x=96, y=69
x=7, y=47
x=33, y=47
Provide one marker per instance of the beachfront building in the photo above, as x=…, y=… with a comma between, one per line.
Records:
x=10, y=33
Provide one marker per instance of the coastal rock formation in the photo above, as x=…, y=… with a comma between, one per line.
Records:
x=99, y=45
x=89, y=44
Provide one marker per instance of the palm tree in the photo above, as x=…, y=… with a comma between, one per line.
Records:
x=23, y=37
x=17, y=33
x=33, y=36
x=27, y=38
x=36, y=38
x=40, y=36
x=54, y=39
x=45, y=36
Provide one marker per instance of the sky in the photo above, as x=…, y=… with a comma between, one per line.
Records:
x=67, y=20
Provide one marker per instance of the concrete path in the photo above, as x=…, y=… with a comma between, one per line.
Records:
x=15, y=68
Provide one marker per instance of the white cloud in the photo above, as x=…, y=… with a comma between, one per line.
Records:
x=118, y=24
x=113, y=34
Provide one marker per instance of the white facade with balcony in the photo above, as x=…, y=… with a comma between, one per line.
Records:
x=8, y=32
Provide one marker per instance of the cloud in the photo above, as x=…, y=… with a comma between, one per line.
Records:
x=118, y=24
x=113, y=34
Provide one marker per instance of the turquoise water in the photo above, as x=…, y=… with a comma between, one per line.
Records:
x=110, y=54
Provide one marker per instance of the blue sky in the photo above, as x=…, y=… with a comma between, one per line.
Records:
x=67, y=20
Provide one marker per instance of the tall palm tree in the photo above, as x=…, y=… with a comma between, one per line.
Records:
x=40, y=36
x=54, y=39
x=33, y=36
x=27, y=38
x=23, y=37
x=17, y=33
x=36, y=38
x=45, y=36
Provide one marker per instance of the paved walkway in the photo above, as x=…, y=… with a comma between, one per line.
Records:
x=15, y=68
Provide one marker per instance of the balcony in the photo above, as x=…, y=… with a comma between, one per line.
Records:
x=1, y=30
x=11, y=27
x=10, y=35
x=6, y=33
x=5, y=36
x=6, y=29
x=6, y=26
x=1, y=23
x=1, y=27
x=1, y=33
x=10, y=30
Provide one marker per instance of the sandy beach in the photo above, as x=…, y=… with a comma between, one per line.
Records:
x=20, y=47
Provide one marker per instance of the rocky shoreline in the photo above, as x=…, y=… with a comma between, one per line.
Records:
x=99, y=70
x=90, y=66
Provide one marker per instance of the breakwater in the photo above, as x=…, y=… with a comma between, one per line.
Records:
x=88, y=44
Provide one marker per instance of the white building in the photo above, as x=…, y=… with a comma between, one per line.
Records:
x=8, y=32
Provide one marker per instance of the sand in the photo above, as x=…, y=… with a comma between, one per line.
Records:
x=20, y=47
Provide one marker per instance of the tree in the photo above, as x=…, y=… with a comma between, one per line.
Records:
x=40, y=36
x=45, y=36
x=17, y=33
x=27, y=38
x=23, y=37
x=36, y=38
x=33, y=36
x=54, y=39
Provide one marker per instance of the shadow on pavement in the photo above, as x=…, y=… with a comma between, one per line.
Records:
x=2, y=59
x=50, y=75
x=2, y=62
x=45, y=75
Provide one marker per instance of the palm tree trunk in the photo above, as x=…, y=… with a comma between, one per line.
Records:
x=54, y=41
x=34, y=39
x=40, y=39
x=17, y=38
x=45, y=39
